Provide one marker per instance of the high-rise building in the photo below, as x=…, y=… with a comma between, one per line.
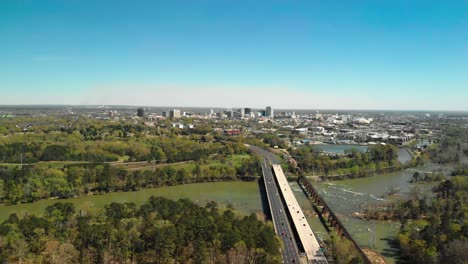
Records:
x=175, y=113
x=269, y=112
x=229, y=113
x=242, y=112
x=247, y=111
x=140, y=112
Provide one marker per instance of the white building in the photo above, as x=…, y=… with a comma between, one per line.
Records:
x=175, y=113
x=178, y=125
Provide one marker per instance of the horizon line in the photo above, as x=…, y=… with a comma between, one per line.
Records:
x=301, y=109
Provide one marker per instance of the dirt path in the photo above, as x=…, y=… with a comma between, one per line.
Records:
x=374, y=257
x=132, y=166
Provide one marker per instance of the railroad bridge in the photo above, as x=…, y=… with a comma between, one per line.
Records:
x=329, y=216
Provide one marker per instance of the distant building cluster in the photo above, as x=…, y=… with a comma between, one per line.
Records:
x=351, y=128
x=292, y=127
x=242, y=113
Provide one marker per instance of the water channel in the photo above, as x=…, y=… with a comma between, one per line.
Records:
x=340, y=149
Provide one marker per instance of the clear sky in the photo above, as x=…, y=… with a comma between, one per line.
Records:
x=289, y=54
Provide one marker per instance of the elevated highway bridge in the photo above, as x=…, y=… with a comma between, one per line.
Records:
x=300, y=242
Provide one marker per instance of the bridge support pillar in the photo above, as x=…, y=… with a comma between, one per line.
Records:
x=324, y=210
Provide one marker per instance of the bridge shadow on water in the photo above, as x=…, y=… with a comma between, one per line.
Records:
x=264, y=198
x=316, y=209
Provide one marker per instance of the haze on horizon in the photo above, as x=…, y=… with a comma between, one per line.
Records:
x=388, y=55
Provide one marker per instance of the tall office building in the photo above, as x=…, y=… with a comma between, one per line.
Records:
x=269, y=112
x=229, y=113
x=175, y=113
x=140, y=112
x=242, y=112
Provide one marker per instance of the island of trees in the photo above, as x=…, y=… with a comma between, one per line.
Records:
x=378, y=158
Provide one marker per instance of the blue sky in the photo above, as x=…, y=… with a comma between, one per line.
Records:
x=289, y=54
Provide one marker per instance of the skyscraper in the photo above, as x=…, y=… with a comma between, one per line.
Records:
x=140, y=112
x=175, y=113
x=269, y=112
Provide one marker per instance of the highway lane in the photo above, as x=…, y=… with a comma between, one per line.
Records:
x=278, y=213
x=272, y=158
x=278, y=209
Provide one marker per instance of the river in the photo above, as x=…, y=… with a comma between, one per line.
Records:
x=340, y=149
x=354, y=195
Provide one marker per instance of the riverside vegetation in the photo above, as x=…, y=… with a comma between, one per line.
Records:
x=434, y=229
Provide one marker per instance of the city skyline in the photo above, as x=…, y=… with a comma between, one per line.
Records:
x=390, y=55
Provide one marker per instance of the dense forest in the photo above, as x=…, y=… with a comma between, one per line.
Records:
x=435, y=230
x=159, y=231
x=74, y=146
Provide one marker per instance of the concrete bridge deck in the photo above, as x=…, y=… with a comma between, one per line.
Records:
x=288, y=217
x=279, y=217
x=307, y=238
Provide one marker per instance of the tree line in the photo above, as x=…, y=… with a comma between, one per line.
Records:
x=32, y=183
x=64, y=146
x=159, y=231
